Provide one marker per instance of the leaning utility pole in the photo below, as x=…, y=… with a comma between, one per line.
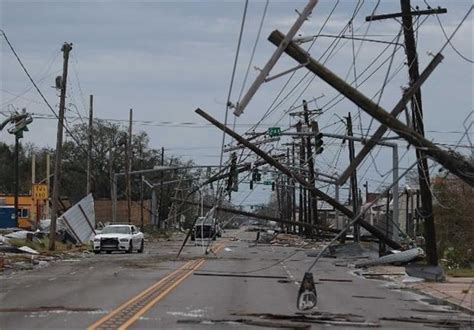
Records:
x=451, y=160
x=128, y=168
x=66, y=48
x=89, y=144
x=426, y=210
x=354, y=189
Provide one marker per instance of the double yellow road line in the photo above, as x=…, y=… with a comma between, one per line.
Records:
x=128, y=313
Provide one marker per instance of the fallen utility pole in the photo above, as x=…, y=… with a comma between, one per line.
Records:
x=259, y=216
x=331, y=201
x=452, y=161
x=66, y=48
x=239, y=109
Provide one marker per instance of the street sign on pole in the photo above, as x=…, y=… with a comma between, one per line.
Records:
x=274, y=131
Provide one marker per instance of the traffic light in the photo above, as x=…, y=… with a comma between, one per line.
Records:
x=233, y=180
x=256, y=175
x=21, y=122
x=319, y=143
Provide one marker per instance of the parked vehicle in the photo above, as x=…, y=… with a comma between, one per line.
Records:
x=125, y=238
x=206, y=228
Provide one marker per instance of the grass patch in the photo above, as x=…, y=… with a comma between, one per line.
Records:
x=460, y=272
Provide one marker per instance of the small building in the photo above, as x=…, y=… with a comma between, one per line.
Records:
x=29, y=211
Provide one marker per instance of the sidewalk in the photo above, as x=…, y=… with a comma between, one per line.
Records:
x=458, y=291
x=455, y=290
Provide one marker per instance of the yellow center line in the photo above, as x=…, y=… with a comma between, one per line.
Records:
x=179, y=276
x=137, y=297
x=159, y=297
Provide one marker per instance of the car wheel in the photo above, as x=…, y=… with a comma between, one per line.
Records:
x=142, y=247
x=130, y=248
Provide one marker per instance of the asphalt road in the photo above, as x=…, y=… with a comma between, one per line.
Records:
x=237, y=287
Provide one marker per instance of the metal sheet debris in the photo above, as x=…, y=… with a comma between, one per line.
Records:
x=27, y=249
x=79, y=220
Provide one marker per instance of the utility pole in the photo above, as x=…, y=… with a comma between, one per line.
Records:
x=89, y=144
x=354, y=189
x=128, y=168
x=160, y=206
x=417, y=114
x=66, y=48
x=17, y=176
x=426, y=209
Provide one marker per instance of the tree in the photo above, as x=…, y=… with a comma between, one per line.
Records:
x=454, y=218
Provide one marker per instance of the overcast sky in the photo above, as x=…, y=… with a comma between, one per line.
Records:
x=166, y=58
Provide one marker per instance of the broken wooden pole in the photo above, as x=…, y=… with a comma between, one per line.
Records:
x=272, y=162
x=452, y=161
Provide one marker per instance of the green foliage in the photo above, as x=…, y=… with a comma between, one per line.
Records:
x=453, y=209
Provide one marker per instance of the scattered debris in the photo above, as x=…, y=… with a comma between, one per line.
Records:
x=334, y=280
x=432, y=273
x=348, y=320
x=369, y=297
x=47, y=309
x=396, y=258
x=450, y=322
x=27, y=249
x=21, y=234
x=258, y=323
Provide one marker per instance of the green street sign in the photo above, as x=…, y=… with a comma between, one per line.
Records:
x=267, y=182
x=274, y=131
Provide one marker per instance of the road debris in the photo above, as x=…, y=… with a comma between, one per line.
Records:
x=445, y=323
x=349, y=320
x=334, y=280
x=241, y=275
x=47, y=309
x=27, y=249
x=368, y=297
x=257, y=323
x=395, y=258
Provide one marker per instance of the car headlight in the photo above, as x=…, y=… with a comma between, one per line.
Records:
x=124, y=240
x=96, y=239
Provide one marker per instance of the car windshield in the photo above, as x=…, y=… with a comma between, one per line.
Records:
x=204, y=222
x=116, y=230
